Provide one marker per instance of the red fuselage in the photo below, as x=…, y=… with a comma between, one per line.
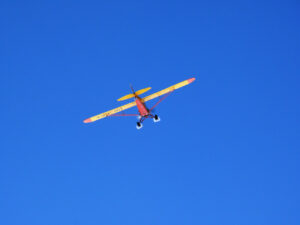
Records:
x=141, y=107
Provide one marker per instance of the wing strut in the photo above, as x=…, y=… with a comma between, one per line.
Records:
x=161, y=99
x=123, y=114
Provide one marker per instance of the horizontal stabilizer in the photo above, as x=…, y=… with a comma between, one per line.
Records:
x=126, y=97
x=139, y=92
x=142, y=91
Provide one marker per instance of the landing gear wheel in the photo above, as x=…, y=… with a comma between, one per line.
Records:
x=139, y=125
x=156, y=119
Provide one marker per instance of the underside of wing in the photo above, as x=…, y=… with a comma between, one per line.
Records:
x=110, y=112
x=167, y=90
x=131, y=104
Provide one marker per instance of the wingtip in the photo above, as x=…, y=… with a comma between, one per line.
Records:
x=87, y=120
x=191, y=80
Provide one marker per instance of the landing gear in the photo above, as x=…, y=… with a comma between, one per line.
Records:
x=139, y=125
x=156, y=119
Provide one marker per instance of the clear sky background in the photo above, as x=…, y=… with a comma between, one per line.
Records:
x=226, y=150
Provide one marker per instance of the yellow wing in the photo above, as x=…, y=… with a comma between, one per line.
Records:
x=110, y=112
x=131, y=104
x=167, y=90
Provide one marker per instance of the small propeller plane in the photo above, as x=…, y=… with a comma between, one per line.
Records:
x=144, y=112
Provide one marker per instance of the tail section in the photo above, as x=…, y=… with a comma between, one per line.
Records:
x=139, y=92
x=142, y=91
x=126, y=97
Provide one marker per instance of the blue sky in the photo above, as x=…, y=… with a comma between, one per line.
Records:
x=226, y=150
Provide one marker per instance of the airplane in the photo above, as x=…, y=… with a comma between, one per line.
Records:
x=144, y=112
